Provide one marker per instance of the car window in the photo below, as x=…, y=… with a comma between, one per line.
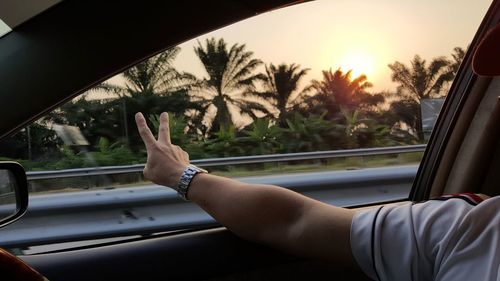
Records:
x=315, y=97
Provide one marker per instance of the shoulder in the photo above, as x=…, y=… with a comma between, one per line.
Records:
x=423, y=230
x=474, y=245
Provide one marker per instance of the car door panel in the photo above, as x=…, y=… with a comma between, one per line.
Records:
x=214, y=254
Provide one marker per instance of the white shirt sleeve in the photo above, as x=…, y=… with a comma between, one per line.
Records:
x=416, y=241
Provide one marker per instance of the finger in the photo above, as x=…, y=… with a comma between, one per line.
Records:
x=164, y=129
x=146, y=135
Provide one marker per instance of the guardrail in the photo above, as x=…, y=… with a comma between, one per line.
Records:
x=10, y=194
x=97, y=171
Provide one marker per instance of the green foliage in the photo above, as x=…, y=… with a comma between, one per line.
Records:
x=224, y=144
x=110, y=155
x=311, y=133
x=262, y=138
x=107, y=155
x=336, y=112
x=70, y=160
x=177, y=125
x=180, y=134
x=152, y=86
x=151, y=104
x=103, y=145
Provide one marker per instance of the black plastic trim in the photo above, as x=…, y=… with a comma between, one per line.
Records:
x=215, y=254
x=457, y=96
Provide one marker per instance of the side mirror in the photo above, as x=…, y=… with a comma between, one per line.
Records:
x=13, y=192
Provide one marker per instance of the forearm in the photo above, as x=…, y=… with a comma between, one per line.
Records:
x=276, y=216
x=260, y=213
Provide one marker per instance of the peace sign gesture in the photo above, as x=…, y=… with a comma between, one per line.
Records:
x=166, y=161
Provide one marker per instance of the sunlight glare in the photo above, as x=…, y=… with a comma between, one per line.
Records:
x=359, y=63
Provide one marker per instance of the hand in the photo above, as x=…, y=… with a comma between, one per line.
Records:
x=166, y=161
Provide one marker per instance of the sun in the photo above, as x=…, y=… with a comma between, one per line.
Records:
x=360, y=63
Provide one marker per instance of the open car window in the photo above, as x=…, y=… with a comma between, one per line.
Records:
x=334, y=99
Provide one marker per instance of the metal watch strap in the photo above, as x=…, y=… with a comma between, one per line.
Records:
x=186, y=178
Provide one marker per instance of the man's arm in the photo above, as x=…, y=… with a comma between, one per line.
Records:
x=263, y=213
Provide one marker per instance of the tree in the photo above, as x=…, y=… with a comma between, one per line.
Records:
x=155, y=75
x=224, y=144
x=95, y=118
x=36, y=142
x=230, y=78
x=281, y=88
x=339, y=91
x=420, y=81
x=408, y=112
x=363, y=132
x=458, y=56
x=151, y=87
x=262, y=138
x=311, y=133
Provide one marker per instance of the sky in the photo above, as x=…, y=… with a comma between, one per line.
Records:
x=4, y=28
x=361, y=35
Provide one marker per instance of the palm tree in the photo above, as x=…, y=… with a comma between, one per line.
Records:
x=155, y=75
x=420, y=81
x=458, y=56
x=230, y=79
x=281, y=88
x=151, y=86
x=339, y=91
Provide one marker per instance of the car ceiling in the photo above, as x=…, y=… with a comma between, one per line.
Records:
x=63, y=51
x=15, y=12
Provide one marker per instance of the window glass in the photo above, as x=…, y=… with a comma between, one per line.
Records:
x=320, y=76
x=341, y=76
x=4, y=28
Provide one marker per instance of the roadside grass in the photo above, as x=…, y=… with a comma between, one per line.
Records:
x=347, y=163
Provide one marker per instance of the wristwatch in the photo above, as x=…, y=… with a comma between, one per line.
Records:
x=186, y=178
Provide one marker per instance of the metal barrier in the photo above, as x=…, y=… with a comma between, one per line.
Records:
x=96, y=171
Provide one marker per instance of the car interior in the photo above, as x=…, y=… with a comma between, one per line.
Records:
x=463, y=153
